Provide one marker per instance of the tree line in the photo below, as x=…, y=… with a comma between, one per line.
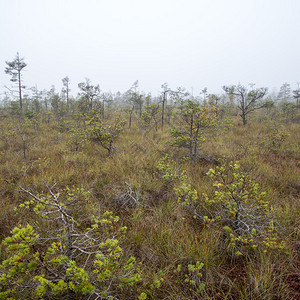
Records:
x=90, y=96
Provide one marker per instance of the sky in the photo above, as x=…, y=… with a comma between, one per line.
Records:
x=189, y=43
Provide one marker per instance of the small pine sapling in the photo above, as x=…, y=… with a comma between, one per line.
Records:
x=72, y=259
x=237, y=206
x=194, y=124
x=105, y=135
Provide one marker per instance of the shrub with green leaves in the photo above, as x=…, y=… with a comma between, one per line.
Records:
x=78, y=139
x=72, y=259
x=170, y=170
x=275, y=138
x=191, y=278
x=237, y=206
x=105, y=135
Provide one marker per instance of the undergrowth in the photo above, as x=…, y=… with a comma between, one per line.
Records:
x=177, y=254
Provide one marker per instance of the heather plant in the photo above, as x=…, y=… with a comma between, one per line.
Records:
x=237, y=206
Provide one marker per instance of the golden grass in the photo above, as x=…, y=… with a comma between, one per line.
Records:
x=161, y=234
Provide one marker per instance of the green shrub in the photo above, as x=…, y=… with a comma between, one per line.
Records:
x=71, y=259
x=237, y=206
x=105, y=135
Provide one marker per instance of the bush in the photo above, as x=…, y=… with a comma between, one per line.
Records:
x=237, y=206
x=105, y=135
x=71, y=259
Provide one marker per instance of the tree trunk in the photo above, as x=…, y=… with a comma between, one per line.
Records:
x=130, y=116
x=20, y=90
x=155, y=124
x=163, y=110
x=68, y=97
x=244, y=118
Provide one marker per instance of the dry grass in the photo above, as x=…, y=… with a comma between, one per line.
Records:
x=161, y=234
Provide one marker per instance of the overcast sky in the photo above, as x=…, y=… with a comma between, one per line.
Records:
x=189, y=43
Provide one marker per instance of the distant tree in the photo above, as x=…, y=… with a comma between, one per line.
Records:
x=268, y=104
x=90, y=92
x=164, y=93
x=36, y=105
x=289, y=111
x=139, y=100
x=136, y=97
x=150, y=114
x=129, y=110
x=131, y=105
x=108, y=99
x=248, y=101
x=177, y=95
x=36, y=98
x=148, y=99
x=296, y=94
x=66, y=88
x=48, y=96
x=204, y=92
x=14, y=68
x=5, y=99
x=285, y=92
x=214, y=100
x=55, y=103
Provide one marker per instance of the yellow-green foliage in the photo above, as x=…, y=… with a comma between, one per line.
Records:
x=71, y=258
x=275, y=138
x=79, y=139
x=169, y=170
x=237, y=203
x=105, y=135
x=192, y=278
x=161, y=232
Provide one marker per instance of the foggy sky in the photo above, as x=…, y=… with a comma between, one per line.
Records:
x=189, y=43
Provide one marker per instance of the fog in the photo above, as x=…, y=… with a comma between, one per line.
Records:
x=190, y=43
